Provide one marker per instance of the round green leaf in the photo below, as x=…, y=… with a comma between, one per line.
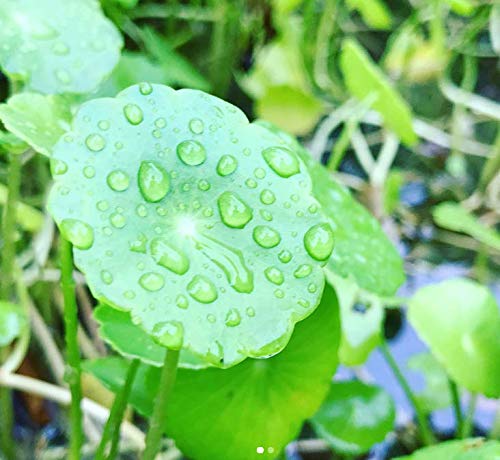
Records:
x=198, y=223
x=463, y=449
x=250, y=411
x=12, y=322
x=459, y=320
x=354, y=417
x=117, y=329
x=57, y=46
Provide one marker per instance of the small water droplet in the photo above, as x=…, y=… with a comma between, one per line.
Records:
x=267, y=197
x=282, y=161
x=154, y=181
x=95, y=142
x=250, y=183
x=139, y=244
x=103, y=125
x=145, y=88
x=182, y=301
x=260, y=173
x=58, y=167
x=274, y=275
x=202, y=289
x=141, y=210
x=152, y=281
x=80, y=234
x=117, y=220
x=266, y=237
x=250, y=312
x=266, y=215
x=63, y=76
x=196, y=126
x=304, y=303
x=191, y=153
x=312, y=288
x=303, y=271
x=160, y=123
x=166, y=255
x=203, y=185
x=102, y=205
x=89, y=172
x=233, y=210
x=133, y=114
x=106, y=277
x=118, y=180
x=285, y=256
x=318, y=241
x=211, y=318
x=279, y=293
x=233, y=318
x=226, y=165
x=169, y=334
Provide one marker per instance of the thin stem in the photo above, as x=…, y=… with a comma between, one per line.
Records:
x=6, y=280
x=468, y=423
x=111, y=434
x=455, y=397
x=157, y=422
x=73, y=355
x=425, y=430
x=495, y=428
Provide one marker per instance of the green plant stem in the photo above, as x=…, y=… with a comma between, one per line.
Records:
x=6, y=279
x=157, y=421
x=468, y=423
x=455, y=397
x=495, y=428
x=73, y=376
x=425, y=430
x=111, y=434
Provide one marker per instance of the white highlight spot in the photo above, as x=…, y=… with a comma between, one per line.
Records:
x=260, y=450
x=186, y=226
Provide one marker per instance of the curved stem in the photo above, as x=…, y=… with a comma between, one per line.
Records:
x=111, y=434
x=425, y=430
x=73, y=376
x=468, y=424
x=157, y=422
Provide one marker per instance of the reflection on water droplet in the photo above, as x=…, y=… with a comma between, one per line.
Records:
x=95, y=142
x=182, y=301
x=267, y=197
x=118, y=180
x=318, y=241
x=202, y=289
x=233, y=318
x=282, y=161
x=78, y=233
x=133, y=114
x=302, y=271
x=196, y=126
x=266, y=237
x=106, y=277
x=145, y=88
x=191, y=153
x=226, y=165
x=233, y=210
x=166, y=255
x=274, y=275
x=152, y=281
x=154, y=181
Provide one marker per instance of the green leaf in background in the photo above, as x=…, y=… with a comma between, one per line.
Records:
x=354, y=417
x=455, y=217
x=374, y=12
x=12, y=322
x=362, y=250
x=494, y=26
x=463, y=7
x=57, y=46
x=10, y=143
x=252, y=410
x=117, y=329
x=28, y=217
x=224, y=241
x=436, y=394
x=363, y=78
x=463, y=449
x=459, y=320
x=36, y=119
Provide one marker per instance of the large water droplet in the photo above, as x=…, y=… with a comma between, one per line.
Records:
x=202, y=289
x=133, y=114
x=266, y=236
x=166, y=255
x=152, y=281
x=191, y=153
x=226, y=165
x=282, y=161
x=95, y=142
x=318, y=241
x=78, y=233
x=274, y=275
x=154, y=181
x=233, y=210
x=169, y=334
x=118, y=180
x=196, y=126
x=233, y=318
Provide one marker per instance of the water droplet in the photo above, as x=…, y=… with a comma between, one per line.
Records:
x=103, y=124
x=266, y=215
x=58, y=167
x=302, y=271
x=279, y=293
x=60, y=49
x=182, y=301
x=211, y=318
x=282, y=161
x=274, y=275
x=129, y=294
x=266, y=236
x=169, y=334
x=139, y=245
x=267, y=197
x=250, y=183
x=102, y=205
x=318, y=241
x=63, y=76
x=304, y=303
x=226, y=165
x=196, y=126
x=141, y=210
x=250, y=312
x=89, y=172
x=152, y=281
x=285, y=256
x=202, y=289
x=166, y=255
x=313, y=209
x=133, y=114
x=95, y=142
x=154, y=181
x=204, y=185
x=106, y=277
x=233, y=318
x=145, y=88
x=78, y=233
x=160, y=123
x=312, y=288
x=118, y=180
x=117, y=220
x=260, y=173
x=233, y=210
x=191, y=153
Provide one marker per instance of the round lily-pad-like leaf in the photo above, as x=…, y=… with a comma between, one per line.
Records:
x=198, y=223
x=459, y=320
x=12, y=322
x=354, y=417
x=57, y=46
